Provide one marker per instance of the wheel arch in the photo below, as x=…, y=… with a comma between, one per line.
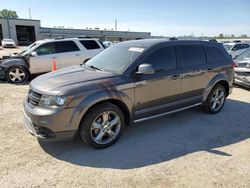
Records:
x=219, y=79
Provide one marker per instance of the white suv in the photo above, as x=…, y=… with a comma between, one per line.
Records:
x=235, y=49
x=40, y=56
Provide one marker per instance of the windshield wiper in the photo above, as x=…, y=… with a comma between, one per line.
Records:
x=94, y=67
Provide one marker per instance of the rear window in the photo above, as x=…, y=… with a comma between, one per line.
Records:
x=214, y=54
x=192, y=55
x=66, y=46
x=90, y=44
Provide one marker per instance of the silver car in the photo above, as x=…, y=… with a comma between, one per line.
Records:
x=242, y=69
x=235, y=49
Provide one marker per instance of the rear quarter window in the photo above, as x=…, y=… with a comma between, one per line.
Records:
x=66, y=46
x=214, y=54
x=90, y=44
x=192, y=55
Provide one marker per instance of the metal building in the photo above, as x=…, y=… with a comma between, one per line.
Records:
x=26, y=31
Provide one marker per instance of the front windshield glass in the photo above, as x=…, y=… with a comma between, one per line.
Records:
x=115, y=59
x=228, y=46
x=26, y=50
x=244, y=56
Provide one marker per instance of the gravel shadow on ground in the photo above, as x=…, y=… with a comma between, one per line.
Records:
x=163, y=139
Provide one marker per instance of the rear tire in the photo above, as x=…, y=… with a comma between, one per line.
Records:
x=215, y=100
x=17, y=74
x=102, y=126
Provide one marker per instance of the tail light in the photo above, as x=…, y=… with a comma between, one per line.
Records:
x=234, y=65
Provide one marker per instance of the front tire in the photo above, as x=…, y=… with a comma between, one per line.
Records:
x=102, y=126
x=17, y=74
x=215, y=100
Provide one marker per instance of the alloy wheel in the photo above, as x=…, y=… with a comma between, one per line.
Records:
x=17, y=75
x=105, y=127
x=217, y=99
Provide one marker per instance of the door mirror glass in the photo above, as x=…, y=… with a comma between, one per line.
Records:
x=145, y=69
x=33, y=54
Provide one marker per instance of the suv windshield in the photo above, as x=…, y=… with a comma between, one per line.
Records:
x=27, y=50
x=244, y=56
x=115, y=59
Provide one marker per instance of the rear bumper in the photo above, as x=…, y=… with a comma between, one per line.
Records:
x=242, y=78
x=243, y=81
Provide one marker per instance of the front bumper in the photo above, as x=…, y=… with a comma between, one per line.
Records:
x=9, y=45
x=2, y=73
x=50, y=124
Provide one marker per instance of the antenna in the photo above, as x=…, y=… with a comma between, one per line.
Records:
x=115, y=24
x=30, y=13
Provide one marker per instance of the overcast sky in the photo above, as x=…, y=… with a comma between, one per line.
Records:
x=160, y=17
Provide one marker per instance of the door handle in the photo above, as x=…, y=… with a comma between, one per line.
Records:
x=175, y=77
x=77, y=54
x=54, y=57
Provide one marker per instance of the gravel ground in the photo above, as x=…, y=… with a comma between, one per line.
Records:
x=187, y=149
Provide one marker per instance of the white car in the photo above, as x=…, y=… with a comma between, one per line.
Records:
x=107, y=43
x=235, y=49
x=42, y=55
x=8, y=43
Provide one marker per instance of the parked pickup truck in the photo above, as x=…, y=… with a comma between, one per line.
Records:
x=41, y=55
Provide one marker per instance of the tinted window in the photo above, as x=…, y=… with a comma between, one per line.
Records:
x=192, y=55
x=46, y=49
x=236, y=47
x=90, y=44
x=162, y=59
x=214, y=54
x=66, y=46
x=243, y=46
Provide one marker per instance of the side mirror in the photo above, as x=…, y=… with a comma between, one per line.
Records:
x=145, y=69
x=33, y=54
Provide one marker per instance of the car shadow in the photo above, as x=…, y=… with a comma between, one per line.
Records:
x=163, y=139
x=3, y=82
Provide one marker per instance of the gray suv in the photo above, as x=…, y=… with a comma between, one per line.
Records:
x=127, y=83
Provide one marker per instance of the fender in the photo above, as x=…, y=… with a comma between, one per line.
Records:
x=97, y=97
x=211, y=84
x=21, y=61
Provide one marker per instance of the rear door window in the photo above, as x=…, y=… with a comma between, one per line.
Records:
x=192, y=55
x=66, y=46
x=46, y=49
x=90, y=44
x=162, y=59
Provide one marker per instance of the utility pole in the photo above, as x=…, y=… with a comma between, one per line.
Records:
x=115, y=24
x=30, y=13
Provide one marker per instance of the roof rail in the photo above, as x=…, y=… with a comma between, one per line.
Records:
x=81, y=37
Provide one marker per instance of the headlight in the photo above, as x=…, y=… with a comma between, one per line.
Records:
x=53, y=101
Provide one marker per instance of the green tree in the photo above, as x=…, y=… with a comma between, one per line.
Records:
x=221, y=36
x=243, y=36
x=4, y=13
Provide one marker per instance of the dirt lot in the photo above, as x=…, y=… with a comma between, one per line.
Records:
x=188, y=149
x=7, y=51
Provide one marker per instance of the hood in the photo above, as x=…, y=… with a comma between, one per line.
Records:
x=68, y=79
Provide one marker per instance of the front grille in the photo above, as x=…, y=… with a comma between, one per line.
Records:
x=34, y=98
